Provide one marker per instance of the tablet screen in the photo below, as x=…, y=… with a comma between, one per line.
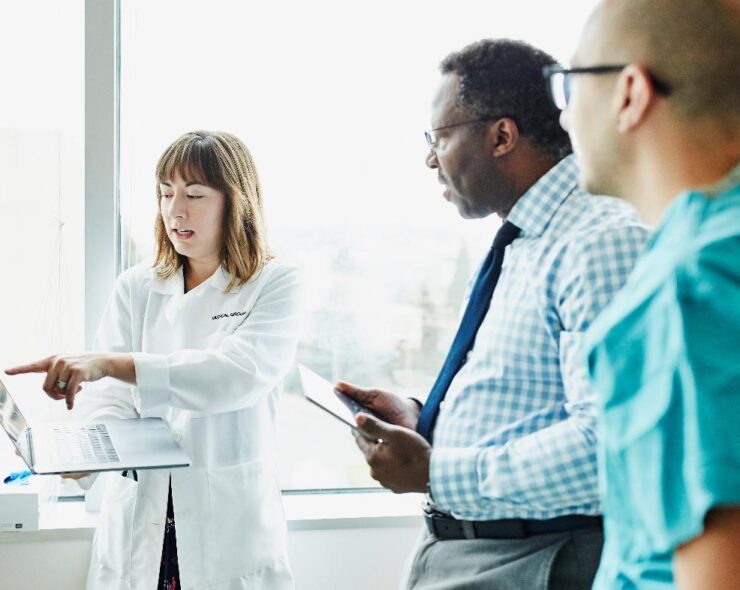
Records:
x=322, y=394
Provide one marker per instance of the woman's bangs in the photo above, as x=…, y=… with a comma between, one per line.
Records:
x=187, y=161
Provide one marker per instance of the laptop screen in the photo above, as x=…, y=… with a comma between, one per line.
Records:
x=13, y=422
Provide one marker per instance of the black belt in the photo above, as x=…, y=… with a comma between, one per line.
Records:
x=444, y=526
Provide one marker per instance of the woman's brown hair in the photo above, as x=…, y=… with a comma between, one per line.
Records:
x=221, y=161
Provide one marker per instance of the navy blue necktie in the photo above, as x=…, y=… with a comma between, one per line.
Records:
x=478, y=304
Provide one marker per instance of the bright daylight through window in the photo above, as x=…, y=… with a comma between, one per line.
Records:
x=332, y=99
x=41, y=195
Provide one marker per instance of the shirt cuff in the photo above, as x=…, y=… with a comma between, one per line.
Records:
x=152, y=380
x=453, y=478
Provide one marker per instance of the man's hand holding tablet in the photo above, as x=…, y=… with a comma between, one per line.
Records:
x=345, y=401
x=383, y=425
x=385, y=405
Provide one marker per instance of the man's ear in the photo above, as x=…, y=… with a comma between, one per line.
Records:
x=634, y=96
x=502, y=136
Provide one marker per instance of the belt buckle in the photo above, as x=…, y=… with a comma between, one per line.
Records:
x=439, y=524
x=437, y=519
x=430, y=525
x=431, y=522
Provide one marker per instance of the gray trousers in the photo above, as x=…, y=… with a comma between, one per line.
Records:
x=558, y=561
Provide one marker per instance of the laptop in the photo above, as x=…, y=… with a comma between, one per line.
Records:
x=108, y=445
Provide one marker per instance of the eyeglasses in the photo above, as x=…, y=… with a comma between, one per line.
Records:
x=560, y=82
x=432, y=140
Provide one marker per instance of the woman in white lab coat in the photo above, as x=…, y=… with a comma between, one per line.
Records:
x=202, y=339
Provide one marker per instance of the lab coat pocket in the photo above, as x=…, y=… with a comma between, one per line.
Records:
x=114, y=536
x=249, y=531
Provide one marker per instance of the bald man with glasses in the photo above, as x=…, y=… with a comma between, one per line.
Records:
x=653, y=104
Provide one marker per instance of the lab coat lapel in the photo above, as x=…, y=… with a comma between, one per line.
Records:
x=175, y=288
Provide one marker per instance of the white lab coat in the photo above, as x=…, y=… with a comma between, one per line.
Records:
x=210, y=363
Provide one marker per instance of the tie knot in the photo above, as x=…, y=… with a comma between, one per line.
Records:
x=506, y=234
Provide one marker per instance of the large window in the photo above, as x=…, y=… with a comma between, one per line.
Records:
x=332, y=98
x=41, y=194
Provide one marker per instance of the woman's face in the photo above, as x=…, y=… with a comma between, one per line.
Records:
x=193, y=217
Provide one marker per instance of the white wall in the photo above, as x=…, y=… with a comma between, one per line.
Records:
x=32, y=563
x=360, y=559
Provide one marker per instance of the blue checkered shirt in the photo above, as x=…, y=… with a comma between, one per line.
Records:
x=516, y=433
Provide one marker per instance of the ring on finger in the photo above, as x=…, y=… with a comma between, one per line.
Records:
x=61, y=384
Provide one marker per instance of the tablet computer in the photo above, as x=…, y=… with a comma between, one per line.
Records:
x=322, y=394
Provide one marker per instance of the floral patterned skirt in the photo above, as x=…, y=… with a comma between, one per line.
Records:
x=169, y=573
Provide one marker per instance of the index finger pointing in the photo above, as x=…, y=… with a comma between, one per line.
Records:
x=41, y=366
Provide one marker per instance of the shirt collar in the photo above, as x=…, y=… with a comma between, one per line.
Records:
x=727, y=183
x=220, y=279
x=675, y=212
x=535, y=208
x=175, y=285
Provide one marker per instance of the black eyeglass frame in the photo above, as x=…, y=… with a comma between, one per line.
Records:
x=548, y=73
x=433, y=144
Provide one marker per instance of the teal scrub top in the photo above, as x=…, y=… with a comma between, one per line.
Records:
x=664, y=360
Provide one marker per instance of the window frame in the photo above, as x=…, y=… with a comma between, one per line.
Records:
x=102, y=132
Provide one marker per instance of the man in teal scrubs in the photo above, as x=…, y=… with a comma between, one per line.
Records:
x=652, y=101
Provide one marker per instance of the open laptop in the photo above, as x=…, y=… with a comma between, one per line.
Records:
x=109, y=445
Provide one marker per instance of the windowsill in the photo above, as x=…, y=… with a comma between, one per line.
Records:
x=348, y=510
x=304, y=512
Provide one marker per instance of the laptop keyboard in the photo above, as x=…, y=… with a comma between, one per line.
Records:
x=83, y=444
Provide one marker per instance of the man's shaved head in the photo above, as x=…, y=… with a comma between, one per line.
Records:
x=693, y=45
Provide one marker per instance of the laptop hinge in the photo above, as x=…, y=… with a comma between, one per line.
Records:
x=29, y=444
